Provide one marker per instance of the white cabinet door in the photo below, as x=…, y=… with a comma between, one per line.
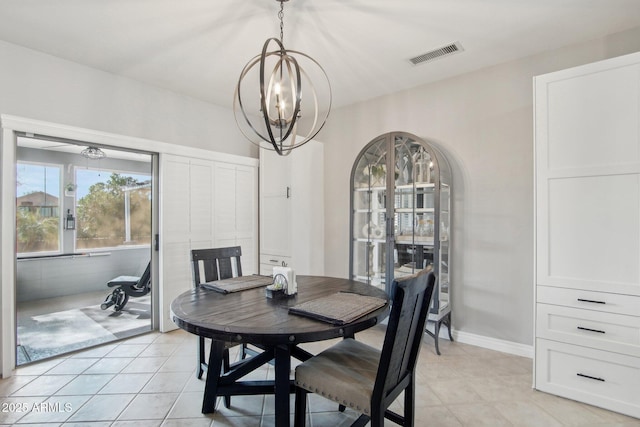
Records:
x=275, y=172
x=292, y=208
x=587, y=177
x=204, y=204
x=275, y=203
x=175, y=229
x=307, y=218
x=200, y=203
x=247, y=217
x=235, y=211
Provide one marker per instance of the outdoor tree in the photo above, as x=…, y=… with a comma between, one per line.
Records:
x=36, y=232
x=101, y=213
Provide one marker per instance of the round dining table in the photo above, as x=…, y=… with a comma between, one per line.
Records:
x=250, y=317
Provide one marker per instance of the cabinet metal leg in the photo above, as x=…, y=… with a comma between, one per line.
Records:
x=447, y=321
x=436, y=333
x=436, y=336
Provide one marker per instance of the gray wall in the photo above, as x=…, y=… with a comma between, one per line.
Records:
x=483, y=121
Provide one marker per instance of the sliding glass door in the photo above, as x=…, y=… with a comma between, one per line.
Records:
x=82, y=220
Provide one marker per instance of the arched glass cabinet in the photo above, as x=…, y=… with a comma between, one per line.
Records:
x=400, y=216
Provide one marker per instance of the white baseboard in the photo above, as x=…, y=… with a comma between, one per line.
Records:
x=492, y=343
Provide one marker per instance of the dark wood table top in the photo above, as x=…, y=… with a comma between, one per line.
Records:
x=248, y=316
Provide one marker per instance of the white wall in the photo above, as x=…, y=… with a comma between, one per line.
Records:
x=44, y=87
x=483, y=121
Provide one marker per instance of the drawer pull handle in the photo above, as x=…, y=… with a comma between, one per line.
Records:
x=591, y=330
x=591, y=301
x=273, y=260
x=590, y=377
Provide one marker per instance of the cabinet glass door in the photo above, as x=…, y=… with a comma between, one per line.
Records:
x=400, y=202
x=369, y=221
x=413, y=208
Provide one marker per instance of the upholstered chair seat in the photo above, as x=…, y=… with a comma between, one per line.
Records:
x=344, y=373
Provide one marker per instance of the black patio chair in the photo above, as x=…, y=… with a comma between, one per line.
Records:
x=127, y=286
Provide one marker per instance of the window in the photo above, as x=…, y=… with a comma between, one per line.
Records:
x=38, y=207
x=113, y=209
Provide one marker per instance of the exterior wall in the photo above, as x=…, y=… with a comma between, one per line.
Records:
x=57, y=277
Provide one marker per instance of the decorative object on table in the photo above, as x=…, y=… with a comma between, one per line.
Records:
x=284, y=283
x=93, y=153
x=283, y=77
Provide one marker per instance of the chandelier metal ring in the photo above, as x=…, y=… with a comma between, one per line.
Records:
x=282, y=81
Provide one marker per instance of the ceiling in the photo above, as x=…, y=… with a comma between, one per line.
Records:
x=63, y=147
x=198, y=47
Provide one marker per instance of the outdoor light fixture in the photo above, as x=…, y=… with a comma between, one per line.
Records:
x=93, y=153
x=287, y=83
x=69, y=221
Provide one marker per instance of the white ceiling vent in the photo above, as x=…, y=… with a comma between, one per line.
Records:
x=447, y=50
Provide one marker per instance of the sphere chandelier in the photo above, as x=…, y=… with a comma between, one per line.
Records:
x=283, y=76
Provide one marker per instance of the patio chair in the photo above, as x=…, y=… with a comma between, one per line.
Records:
x=127, y=286
x=368, y=380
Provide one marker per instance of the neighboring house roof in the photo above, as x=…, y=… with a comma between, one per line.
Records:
x=37, y=198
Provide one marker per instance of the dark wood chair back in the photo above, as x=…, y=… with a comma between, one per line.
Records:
x=217, y=263
x=411, y=298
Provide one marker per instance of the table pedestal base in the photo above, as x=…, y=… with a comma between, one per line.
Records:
x=229, y=384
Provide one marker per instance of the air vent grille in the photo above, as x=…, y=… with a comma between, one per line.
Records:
x=437, y=53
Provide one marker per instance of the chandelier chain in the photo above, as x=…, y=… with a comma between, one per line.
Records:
x=281, y=16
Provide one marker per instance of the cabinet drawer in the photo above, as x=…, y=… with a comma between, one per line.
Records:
x=597, y=377
x=606, y=331
x=590, y=300
x=275, y=260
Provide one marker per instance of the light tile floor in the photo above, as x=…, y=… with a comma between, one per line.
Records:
x=149, y=381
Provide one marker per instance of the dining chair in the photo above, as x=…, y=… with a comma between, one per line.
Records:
x=366, y=379
x=209, y=265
